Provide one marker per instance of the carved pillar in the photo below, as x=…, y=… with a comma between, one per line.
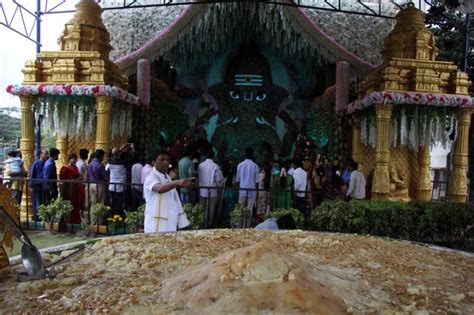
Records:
x=381, y=183
x=423, y=191
x=62, y=143
x=356, y=144
x=102, y=137
x=27, y=146
x=457, y=189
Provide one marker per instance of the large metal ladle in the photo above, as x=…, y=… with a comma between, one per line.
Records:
x=30, y=255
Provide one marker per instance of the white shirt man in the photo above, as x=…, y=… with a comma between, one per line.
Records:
x=163, y=211
x=301, y=179
x=145, y=171
x=357, y=183
x=81, y=167
x=118, y=174
x=247, y=177
x=136, y=176
x=210, y=175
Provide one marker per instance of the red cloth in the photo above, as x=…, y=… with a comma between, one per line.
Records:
x=73, y=192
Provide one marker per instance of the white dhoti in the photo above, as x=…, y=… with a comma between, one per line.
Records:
x=163, y=212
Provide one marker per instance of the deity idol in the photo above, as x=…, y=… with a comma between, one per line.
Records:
x=248, y=110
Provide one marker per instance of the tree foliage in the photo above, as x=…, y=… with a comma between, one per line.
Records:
x=10, y=127
x=448, y=27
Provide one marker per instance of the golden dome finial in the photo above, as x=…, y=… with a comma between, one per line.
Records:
x=85, y=31
x=410, y=38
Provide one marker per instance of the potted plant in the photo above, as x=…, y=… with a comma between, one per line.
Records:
x=46, y=215
x=240, y=217
x=58, y=211
x=115, y=225
x=98, y=212
x=195, y=215
x=134, y=219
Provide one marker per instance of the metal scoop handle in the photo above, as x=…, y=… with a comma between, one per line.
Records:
x=30, y=255
x=16, y=229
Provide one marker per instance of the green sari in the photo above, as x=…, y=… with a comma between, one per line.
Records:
x=282, y=198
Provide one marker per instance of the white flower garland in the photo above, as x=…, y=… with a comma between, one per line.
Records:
x=372, y=136
x=403, y=128
x=394, y=133
x=71, y=119
x=415, y=131
x=410, y=98
x=131, y=29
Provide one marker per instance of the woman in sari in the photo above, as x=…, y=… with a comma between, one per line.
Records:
x=282, y=185
x=73, y=192
x=264, y=185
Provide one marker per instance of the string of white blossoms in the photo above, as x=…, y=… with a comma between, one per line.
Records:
x=415, y=130
x=78, y=120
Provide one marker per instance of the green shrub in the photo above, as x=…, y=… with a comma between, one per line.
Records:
x=56, y=211
x=240, y=217
x=195, y=215
x=418, y=221
x=134, y=219
x=45, y=213
x=98, y=212
x=295, y=213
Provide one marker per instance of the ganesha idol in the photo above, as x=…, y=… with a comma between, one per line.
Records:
x=248, y=110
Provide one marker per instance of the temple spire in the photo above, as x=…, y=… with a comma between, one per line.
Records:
x=410, y=38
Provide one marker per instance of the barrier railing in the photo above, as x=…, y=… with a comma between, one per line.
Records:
x=217, y=202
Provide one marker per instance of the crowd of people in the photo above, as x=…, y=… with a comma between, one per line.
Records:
x=127, y=181
x=221, y=184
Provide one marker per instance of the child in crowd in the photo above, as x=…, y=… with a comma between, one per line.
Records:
x=16, y=163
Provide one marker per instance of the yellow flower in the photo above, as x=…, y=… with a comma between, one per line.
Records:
x=120, y=219
x=116, y=216
x=110, y=219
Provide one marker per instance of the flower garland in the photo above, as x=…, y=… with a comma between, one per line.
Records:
x=200, y=29
x=415, y=98
x=415, y=128
x=75, y=117
x=73, y=90
x=143, y=81
x=71, y=118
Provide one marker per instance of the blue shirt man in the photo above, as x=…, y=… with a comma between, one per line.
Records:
x=36, y=174
x=50, y=173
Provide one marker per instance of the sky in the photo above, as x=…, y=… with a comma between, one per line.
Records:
x=15, y=49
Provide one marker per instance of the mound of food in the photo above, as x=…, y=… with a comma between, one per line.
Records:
x=247, y=271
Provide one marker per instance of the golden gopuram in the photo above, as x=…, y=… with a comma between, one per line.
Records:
x=80, y=93
x=406, y=105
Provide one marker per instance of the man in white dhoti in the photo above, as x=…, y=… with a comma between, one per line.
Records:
x=163, y=212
